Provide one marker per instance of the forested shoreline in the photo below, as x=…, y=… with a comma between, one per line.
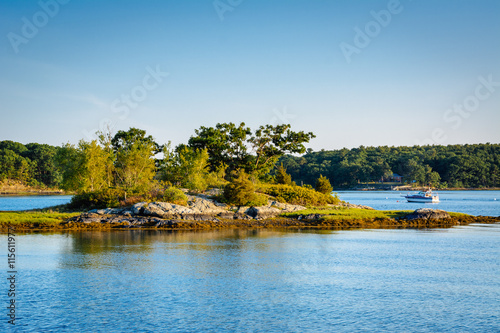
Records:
x=452, y=166
x=214, y=153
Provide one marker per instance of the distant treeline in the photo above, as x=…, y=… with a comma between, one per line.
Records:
x=32, y=164
x=476, y=165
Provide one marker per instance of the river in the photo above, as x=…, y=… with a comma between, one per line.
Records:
x=439, y=280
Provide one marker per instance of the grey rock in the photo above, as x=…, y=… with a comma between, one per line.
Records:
x=137, y=208
x=263, y=212
x=202, y=205
x=428, y=214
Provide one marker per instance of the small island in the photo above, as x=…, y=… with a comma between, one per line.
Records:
x=227, y=176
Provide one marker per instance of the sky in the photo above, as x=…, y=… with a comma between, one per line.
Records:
x=353, y=72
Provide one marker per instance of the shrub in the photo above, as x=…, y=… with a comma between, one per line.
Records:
x=174, y=195
x=97, y=199
x=323, y=185
x=299, y=195
x=241, y=192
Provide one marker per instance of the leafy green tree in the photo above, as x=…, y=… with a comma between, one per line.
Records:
x=46, y=171
x=70, y=163
x=225, y=144
x=96, y=164
x=270, y=142
x=134, y=137
x=282, y=177
x=323, y=185
x=135, y=167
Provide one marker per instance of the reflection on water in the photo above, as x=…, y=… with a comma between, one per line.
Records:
x=261, y=280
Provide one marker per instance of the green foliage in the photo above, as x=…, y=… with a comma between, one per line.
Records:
x=299, y=195
x=475, y=165
x=226, y=144
x=323, y=185
x=125, y=140
x=173, y=195
x=282, y=177
x=241, y=192
x=98, y=199
x=135, y=167
x=270, y=142
x=188, y=168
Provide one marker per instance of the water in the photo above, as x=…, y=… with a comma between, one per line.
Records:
x=32, y=201
x=486, y=203
x=439, y=280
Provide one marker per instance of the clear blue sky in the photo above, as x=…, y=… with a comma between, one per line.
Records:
x=353, y=72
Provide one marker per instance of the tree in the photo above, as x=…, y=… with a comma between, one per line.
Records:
x=124, y=140
x=270, y=142
x=70, y=163
x=46, y=171
x=225, y=144
x=323, y=185
x=282, y=177
x=97, y=162
x=135, y=167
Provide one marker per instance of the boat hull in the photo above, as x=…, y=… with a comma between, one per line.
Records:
x=423, y=200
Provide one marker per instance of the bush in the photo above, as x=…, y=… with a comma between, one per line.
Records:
x=241, y=192
x=173, y=195
x=97, y=199
x=323, y=185
x=299, y=195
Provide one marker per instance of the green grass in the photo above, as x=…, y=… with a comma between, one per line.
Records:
x=340, y=213
x=47, y=217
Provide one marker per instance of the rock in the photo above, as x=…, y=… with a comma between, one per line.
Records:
x=165, y=209
x=285, y=208
x=263, y=212
x=137, y=208
x=428, y=214
x=205, y=206
x=350, y=205
x=106, y=211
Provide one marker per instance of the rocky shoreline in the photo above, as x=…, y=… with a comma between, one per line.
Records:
x=203, y=212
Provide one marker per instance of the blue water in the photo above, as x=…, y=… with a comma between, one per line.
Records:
x=439, y=280
x=32, y=201
x=486, y=203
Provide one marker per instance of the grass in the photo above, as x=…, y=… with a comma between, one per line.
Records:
x=342, y=214
x=46, y=217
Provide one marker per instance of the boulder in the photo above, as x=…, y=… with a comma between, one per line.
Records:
x=206, y=206
x=284, y=207
x=263, y=212
x=106, y=211
x=164, y=209
x=428, y=214
x=137, y=208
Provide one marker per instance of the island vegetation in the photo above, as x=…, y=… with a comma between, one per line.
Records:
x=239, y=166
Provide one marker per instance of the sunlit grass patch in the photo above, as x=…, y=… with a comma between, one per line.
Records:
x=339, y=213
x=47, y=217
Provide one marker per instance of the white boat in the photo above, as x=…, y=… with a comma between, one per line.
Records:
x=423, y=196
